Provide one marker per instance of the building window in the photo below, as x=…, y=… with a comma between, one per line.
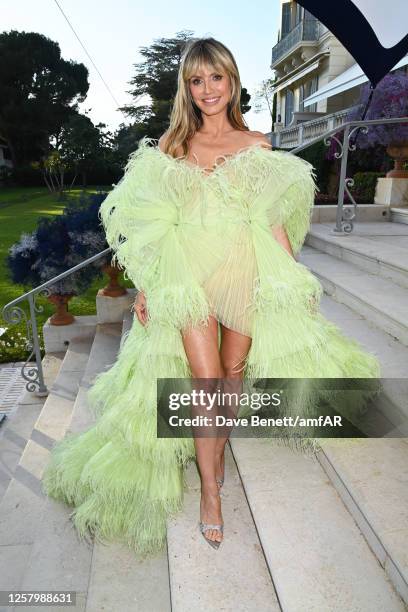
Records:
x=301, y=97
x=306, y=90
x=288, y=106
x=286, y=14
x=313, y=87
x=299, y=14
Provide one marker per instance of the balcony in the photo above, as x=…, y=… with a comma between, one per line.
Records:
x=307, y=30
x=300, y=132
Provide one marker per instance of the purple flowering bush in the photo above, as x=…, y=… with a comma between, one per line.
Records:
x=390, y=99
x=59, y=244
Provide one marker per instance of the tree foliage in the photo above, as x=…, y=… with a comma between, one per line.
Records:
x=39, y=91
x=265, y=98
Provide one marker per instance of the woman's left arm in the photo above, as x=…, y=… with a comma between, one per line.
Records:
x=281, y=236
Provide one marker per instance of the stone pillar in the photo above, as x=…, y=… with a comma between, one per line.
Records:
x=392, y=192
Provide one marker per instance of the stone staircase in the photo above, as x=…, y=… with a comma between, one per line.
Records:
x=302, y=534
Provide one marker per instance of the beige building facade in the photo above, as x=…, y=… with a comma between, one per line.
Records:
x=306, y=57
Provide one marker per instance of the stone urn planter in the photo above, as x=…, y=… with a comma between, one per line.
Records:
x=61, y=316
x=399, y=153
x=113, y=289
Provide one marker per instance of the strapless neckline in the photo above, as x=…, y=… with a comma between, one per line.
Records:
x=228, y=158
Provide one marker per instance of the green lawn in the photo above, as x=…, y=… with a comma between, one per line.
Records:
x=9, y=195
x=20, y=209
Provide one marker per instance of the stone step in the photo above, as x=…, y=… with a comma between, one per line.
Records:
x=128, y=319
x=326, y=213
x=371, y=477
x=378, y=300
x=104, y=351
x=378, y=248
x=119, y=579
x=392, y=354
x=66, y=562
x=105, y=575
x=376, y=470
x=399, y=215
x=23, y=504
x=316, y=554
x=17, y=428
x=234, y=577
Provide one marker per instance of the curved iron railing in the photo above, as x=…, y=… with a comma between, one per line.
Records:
x=14, y=314
x=345, y=216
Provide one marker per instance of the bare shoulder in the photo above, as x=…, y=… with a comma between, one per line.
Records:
x=162, y=141
x=260, y=138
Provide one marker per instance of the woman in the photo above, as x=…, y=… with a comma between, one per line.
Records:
x=210, y=94
x=207, y=225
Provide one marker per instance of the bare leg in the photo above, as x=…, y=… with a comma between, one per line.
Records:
x=201, y=347
x=234, y=349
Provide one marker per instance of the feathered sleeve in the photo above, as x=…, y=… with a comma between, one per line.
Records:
x=128, y=218
x=296, y=208
x=287, y=194
x=141, y=219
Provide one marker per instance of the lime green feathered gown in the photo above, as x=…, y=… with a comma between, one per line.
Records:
x=196, y=244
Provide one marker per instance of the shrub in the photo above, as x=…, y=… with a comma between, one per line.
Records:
x=14, y=344
x=59, y=244
x=365, y=185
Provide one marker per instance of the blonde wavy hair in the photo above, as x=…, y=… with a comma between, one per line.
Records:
x=185, y=117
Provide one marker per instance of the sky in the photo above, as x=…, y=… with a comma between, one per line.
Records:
x=114, y=31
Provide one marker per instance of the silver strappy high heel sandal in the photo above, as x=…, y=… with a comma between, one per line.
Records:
x=204, y=526
x=203, y=529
